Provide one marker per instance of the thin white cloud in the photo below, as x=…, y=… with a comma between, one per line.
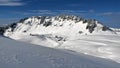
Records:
x=55, y=12
x=91, y=10
x=42, y=12
x=106, y=13
x=109, y=13
x=11, y=3
x=72, y=11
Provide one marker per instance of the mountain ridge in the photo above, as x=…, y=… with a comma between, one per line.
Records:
x=56, y=24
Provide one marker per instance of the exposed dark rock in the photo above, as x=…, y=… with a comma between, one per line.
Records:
x=106, y=28
x=42, y=19
x=2, y=30
x=91, y=25
x=47, y=23
x=84, y=21
x=13, y=25
x=24, y=31
x=60, y=38
x=22, y=20
x=37, y=17
x=80, y=32
x=68, y=17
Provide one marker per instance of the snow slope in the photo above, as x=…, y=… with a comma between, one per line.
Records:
x=14, y=54
x=103, y=46
x=117, y=30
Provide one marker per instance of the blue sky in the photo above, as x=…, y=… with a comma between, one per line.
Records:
x=106, y=11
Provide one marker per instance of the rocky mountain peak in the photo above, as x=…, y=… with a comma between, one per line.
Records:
x=61, y=24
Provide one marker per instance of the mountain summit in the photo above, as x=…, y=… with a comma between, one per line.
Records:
x=63, y=24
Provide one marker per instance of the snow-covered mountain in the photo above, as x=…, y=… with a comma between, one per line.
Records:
x=67, y=32
x=68, y=25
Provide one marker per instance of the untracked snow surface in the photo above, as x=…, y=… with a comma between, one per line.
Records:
x=14, y=54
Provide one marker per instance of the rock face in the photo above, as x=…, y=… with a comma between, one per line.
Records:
x=2, y=29
x=62, y=24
